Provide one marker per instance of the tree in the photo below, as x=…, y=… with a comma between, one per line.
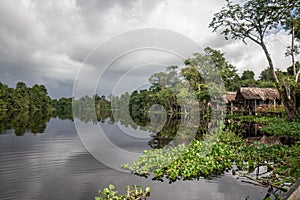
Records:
x=21, y=97
x=254, y=20
x=266, y=79
x=39, y=99
x=290, y=70
x=228, y=71
x=266, y=75
x=194, y=78
x=292, y=24
x=4, y=96
x=248, y=75
x=165, y=79
x=247, y=79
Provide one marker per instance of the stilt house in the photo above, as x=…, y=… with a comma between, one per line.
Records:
x=229, y=99
x=251, y=100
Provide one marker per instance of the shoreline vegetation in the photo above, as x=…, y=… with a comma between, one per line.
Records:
x=132, y=193
x=272, y=165
x=267, y=156
x=259, y=161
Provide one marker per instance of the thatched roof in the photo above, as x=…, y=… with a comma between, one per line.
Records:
x=229, y=97
x=259, y=93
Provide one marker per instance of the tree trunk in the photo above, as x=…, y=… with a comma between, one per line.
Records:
x=286, y=92
x=296, y=72
x=293, y=52
x=297, y=76
x=289, y=101
x=270, y=62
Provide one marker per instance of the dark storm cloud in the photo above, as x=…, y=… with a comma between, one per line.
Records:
x=47, y=42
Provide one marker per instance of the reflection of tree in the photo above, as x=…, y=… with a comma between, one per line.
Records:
x=102, y=115
x=5, y=122
x=177, y=130
x=63, y=115
x=35, y=122
x=91, y=109
x=168, y=132
x=20, y=122
x=62, y=108
x=38, y=121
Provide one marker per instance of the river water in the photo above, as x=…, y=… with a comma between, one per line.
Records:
x=53, y=164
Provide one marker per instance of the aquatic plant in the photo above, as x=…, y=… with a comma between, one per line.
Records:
x=190, y=162
x=281, y=163
x=257, y=119
x=229, y=150
x=134, y=193
x=283, y=128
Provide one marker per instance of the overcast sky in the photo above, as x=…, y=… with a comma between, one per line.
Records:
x=46, y=42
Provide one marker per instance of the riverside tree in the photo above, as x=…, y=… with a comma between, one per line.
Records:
x=253, y=20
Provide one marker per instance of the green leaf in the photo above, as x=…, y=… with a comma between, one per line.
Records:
x=111, y=187
x=148, y=189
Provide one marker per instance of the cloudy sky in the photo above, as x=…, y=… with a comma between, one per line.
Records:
x=47, y=42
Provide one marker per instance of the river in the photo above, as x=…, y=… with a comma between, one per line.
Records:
x=53, y=164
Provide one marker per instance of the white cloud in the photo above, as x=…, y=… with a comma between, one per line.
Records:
x=252, y=57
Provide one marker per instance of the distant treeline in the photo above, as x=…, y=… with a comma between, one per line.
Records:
x=23, y=98
x=26, y=107
x=166, y=88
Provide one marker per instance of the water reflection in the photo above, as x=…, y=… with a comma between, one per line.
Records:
x=22, y=122
x=164, y=129
x=55, y=165
x=167, y=134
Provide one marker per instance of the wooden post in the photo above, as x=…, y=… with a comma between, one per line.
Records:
x=255, y=106
x=249, y=106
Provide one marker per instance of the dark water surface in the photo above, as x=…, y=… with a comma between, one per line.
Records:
x=55, y=165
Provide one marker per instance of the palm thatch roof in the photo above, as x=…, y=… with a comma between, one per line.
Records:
x=259, y=93
x=229, y=97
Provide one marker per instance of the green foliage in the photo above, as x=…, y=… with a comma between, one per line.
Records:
x=134, y=193
x=193, y=82
x=266, y=75
x=228, y=72
x=62, y=104
x=188, y=162
x=39, y=99
x=282, y=163
x=229, y=149
x=251, y=20
x=274, y=125
x=165, y=86
x=247, y=79
x=265, y=84
x=258, y=119
x=290, y=69
x=248, y=75
x=283, y=128
x=24, y=98
x=255, y=19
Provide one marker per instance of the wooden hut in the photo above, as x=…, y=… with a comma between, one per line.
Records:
x=250, y=99
x=229, y=99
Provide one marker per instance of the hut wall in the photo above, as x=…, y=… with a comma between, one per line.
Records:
x=251, y=100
